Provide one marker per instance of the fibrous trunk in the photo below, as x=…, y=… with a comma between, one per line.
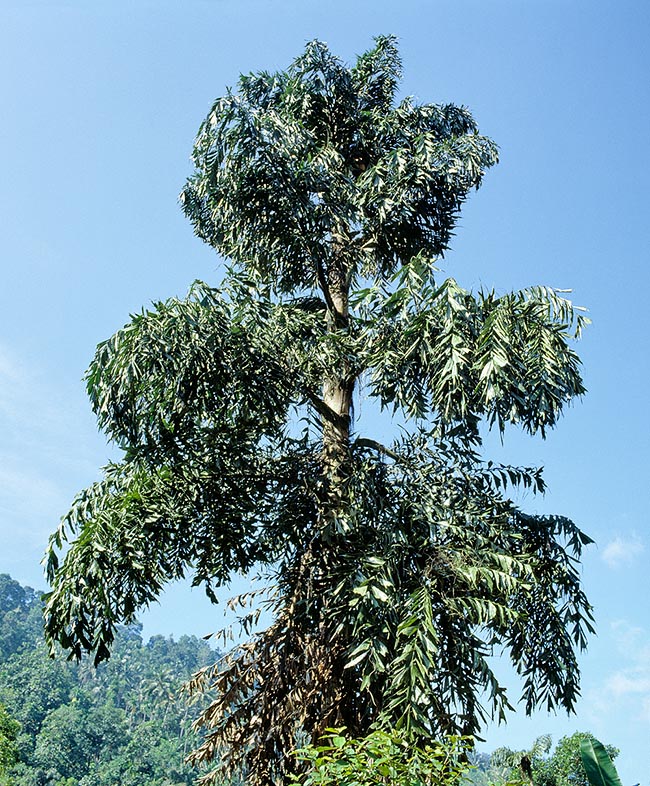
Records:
x=338, y=389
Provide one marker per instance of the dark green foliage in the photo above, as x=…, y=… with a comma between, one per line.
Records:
x=393, y=571
x=562, y=766
x=9, y=729
x=193, y=414
x=565, y=767
x=147, y=758
x=33, y=685
x=21, y=614
x=383, y=759
x=72, y=724
x=75, y=737
x=598, y=764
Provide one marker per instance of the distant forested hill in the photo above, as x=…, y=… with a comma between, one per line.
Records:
x=63, y=724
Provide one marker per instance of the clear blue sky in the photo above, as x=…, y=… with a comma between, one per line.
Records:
x=100, y=102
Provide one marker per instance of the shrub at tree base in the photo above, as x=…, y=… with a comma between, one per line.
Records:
x=383, y=759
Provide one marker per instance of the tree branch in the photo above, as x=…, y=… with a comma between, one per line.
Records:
x=366, y=442
x=322, y=281
x=326, y=412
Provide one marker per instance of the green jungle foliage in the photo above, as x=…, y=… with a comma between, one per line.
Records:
x=69, y=724
x=562, y=766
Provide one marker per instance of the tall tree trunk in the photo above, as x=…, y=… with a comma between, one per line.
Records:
x=338, y=390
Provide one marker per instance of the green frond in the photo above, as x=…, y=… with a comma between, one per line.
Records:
x=377, y=74
x=461, y=356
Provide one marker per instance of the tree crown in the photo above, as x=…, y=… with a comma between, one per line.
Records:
x=314, y=169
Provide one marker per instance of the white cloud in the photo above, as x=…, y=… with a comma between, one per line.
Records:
x=623, y=683
x=629, y=685
x=28, y=495
x=9, y=368
x=631, y=641
x=622, y=551
x=49, y=449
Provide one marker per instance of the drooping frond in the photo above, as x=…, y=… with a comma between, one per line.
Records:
x=184, y=371
x=199, y=406
x=441, y=349
x=395, y=628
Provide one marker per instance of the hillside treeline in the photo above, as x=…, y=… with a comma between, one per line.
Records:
x=69, y=724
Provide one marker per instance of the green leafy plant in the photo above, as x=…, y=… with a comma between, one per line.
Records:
x=382, y=759
x=597, y=763
x=562, y=766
